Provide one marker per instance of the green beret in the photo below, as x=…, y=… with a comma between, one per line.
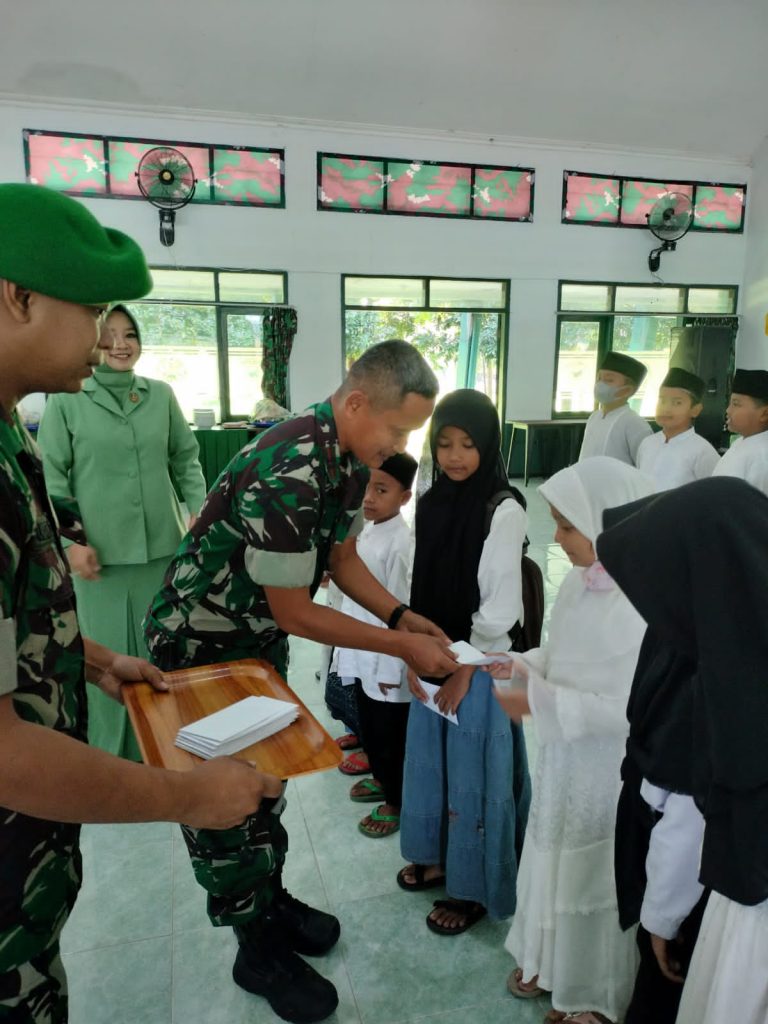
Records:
x=52, y=244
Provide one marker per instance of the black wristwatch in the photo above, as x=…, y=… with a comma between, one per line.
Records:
x=396, y=615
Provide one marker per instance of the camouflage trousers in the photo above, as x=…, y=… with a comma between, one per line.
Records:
x=41, y=876
x=35, y=992
x=238, y=867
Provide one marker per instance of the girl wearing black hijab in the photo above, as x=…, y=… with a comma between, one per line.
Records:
x=466, y=786
x=694, y=564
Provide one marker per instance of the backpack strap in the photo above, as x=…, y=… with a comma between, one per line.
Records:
x=498, y=499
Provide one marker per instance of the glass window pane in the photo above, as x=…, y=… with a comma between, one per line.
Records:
x=247, y=176
x=585, y=296
x=638, y=198
x=384, y=291
x=642, y=299
x=244, y=360
x=67, y=164
x=182, y=284
x=179, y=347
x=267, y=288
x=591, y=200
x=466, y=294
x=428, y=188
x=719, y=207
x=351, y=183
x=505, y=194
x=577, y=366
x=712, y=300
x=649, y=339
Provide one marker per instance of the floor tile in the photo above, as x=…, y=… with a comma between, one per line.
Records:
x=126, y=984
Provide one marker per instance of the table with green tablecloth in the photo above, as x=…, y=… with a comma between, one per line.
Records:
x=218, y=445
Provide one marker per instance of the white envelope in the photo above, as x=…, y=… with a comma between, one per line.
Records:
x=469, y=655
x=431, y=690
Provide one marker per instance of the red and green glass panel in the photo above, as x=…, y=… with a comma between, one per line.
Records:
x=591, y=200
x=351, y=183
x=638, y=198
x=66, y=163
x=251, y=177
x=429, y=188
x=125, y=156
x=719, y=207
x=503, y=194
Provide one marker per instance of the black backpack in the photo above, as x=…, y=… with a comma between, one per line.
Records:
x=527, y=635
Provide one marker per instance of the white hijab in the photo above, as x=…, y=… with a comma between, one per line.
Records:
x=584, y=491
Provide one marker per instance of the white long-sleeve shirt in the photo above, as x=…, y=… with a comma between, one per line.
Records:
x=384, y=548
x=678, y=460
x=499, y=578
x=672, y=864
x=747, y=458
x=617, y=433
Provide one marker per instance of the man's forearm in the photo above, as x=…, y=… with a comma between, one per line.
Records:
x=98, y=659
x=81, y=783
x=326, y=626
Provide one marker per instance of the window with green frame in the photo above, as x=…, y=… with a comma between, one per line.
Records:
x=201, y=332
x=597, y=317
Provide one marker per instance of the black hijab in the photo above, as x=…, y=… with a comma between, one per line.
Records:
x=694, y=562
x=451, y=517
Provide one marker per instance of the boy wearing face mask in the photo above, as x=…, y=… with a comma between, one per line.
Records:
x=614, y=429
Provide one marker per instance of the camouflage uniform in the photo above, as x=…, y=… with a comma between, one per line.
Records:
x=271, y=519
x=41, y=665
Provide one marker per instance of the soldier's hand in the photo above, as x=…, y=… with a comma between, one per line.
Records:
x=427, y=655
x=223, y=792
x=83, y=561
x=411, y=622
x=126, y=669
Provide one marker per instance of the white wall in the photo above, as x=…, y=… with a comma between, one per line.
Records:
x=316, y=247
x=752, y=347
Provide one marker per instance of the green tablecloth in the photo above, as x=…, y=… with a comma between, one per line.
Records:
x=218, y=446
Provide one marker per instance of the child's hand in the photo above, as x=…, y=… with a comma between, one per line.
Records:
x=513, y=702
x=384, y=688
x=415, y=687
x=454, y=690
x=500, y=669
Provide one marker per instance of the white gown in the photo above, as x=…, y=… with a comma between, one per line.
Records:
x=747, y=458
x=728, y=977
x=566, y=928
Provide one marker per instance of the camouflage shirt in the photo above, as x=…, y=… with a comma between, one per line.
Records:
x=41, y=667
x=270, y=520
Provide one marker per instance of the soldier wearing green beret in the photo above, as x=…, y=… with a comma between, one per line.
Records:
x=59, y=268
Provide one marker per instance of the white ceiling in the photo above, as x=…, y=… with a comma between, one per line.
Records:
x=681, y=75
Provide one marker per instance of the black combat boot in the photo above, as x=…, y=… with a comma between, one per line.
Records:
x=308, y=931
x=267, y=966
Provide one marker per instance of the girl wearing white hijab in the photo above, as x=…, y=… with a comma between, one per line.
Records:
x=565, y=935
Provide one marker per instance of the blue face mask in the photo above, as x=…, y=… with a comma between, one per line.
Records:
x=607, y=393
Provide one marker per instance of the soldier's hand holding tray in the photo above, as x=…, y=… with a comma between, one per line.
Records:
x=125, y=669
x=223, y=792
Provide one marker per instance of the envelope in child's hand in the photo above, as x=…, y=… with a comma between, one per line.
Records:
x=466, y=654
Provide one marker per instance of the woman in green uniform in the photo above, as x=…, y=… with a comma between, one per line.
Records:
x=112, y=446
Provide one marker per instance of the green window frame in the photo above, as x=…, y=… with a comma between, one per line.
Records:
x=219, y=294
x=605, y=306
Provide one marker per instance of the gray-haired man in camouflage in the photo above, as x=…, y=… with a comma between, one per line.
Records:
x=50, y=779
x=284, y=511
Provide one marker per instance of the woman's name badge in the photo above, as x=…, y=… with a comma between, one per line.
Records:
x=133, y=396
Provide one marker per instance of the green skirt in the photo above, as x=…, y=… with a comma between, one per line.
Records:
x=110, y=612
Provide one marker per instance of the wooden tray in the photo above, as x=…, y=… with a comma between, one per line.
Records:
x=301, y=748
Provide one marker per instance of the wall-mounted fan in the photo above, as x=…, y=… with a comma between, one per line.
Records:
x=165, y=177
x=669, y=219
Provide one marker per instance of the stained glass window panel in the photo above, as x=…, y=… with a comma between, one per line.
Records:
x=719, y=207
x=66, y=163
x=503, y=194
x=351, y=183
x=638, y=198
x=591, y=200
x=429, y=188
x=248, y=176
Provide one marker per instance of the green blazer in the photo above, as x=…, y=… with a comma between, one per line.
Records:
x=116, y=463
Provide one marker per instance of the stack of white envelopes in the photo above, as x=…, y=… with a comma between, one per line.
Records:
x=240, y=725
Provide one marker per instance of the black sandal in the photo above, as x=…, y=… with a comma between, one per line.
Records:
x=421, y=883
x=470, y=911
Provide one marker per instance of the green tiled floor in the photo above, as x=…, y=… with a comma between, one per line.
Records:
x=139, y=949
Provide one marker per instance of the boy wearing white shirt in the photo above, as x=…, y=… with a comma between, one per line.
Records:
x=614, y=429
x=747, y=415
x=383, y=698
x=677, y=454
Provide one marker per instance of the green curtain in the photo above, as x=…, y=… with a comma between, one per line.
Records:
x=278, y=332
